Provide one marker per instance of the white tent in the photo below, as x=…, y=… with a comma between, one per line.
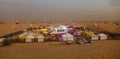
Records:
x=54, y=32
x=103, y=36
x=51, y=28
x=94, y=37
x=29, y=38
x=67, y=36
x=40, y=38
x=1, y=40
x=62, y=27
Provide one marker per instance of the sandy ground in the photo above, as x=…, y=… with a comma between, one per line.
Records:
x=106, y=49
x=11, y=27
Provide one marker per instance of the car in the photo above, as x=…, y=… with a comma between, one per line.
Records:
x=5, y=41
x=80, y=41
x=69, y=41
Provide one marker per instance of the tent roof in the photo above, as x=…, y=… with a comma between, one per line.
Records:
x=67, y=35
x=30, y=36
x=40, y=36
x=102, y=34
x=56, y=32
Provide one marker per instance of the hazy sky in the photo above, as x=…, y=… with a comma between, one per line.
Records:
x=49, y=10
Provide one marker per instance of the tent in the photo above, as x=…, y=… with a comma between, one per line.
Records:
x=102, y=36
x=89, y=32
x=22, y=36
x=60, y=37
x=54, y=32
x=62, y=28
x=77, y=33
x=29, y=38
x=67, y=36
x=31, y=33
x=94, y=37
x=43, y=30
x=1, y=39
x=51, y=28
x=40, y=38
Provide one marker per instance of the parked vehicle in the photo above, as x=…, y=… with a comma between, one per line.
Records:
x=6, y=42
x=80, y=40
x=69, y=41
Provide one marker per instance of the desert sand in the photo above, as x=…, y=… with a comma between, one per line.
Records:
x=106, y=49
